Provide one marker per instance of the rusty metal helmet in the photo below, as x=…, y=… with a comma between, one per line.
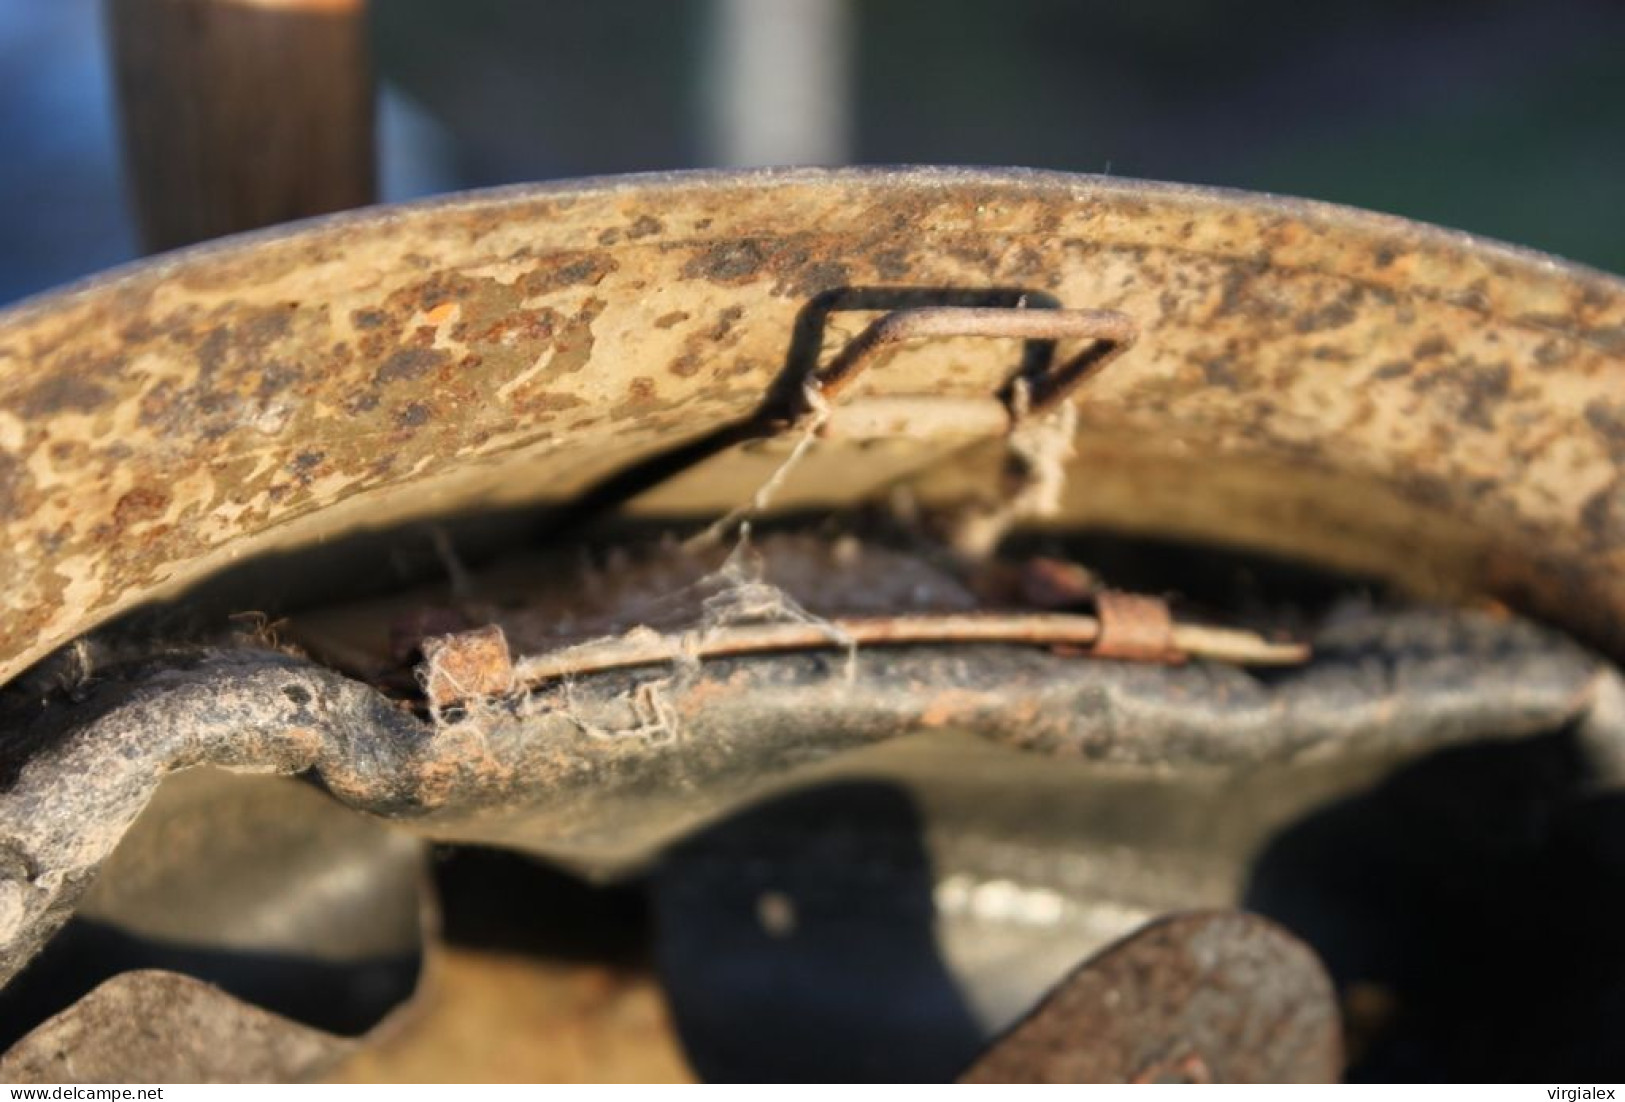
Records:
x=1005, y=625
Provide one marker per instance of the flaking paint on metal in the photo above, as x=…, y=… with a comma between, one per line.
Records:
x=517, y=345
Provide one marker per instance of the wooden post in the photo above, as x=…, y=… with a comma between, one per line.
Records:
x=242, y=113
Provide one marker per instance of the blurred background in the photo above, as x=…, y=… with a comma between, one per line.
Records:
x=1502, y=117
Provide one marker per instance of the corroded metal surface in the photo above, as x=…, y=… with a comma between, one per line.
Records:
x=156, y=1027
x=603, y=771
x=1202, y=998
x=1355, y=389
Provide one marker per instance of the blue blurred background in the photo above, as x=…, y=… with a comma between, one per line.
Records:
x=1497, y=116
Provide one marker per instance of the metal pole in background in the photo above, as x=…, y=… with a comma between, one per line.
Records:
x=779, y=82
x=242, y=113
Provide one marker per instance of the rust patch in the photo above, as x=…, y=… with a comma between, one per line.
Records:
x=409, y=364
x=1607, y=419
x=67, y=393
x=1603, y=516
x=1430, y=347
x=1473, y=390
x=1197, y=998
x=572, y=349
x=467, y=666
x=1136, y=628
x=646, y=225
x=728, y=261
x=14, y=481
x=586, y=270
x=141, y=503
